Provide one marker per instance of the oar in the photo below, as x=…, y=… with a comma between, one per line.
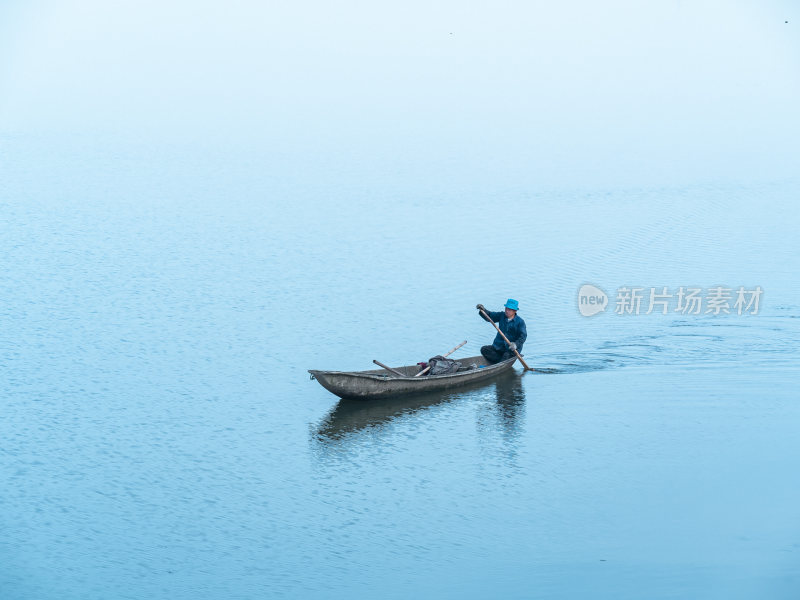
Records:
x=488, y=318
x=426, y=369
x=390, y=369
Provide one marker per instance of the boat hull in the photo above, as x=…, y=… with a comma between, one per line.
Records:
x=367, y=385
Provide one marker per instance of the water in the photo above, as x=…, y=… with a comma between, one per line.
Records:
x=161, y=437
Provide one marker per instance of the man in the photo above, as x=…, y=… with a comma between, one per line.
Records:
x=511, y=325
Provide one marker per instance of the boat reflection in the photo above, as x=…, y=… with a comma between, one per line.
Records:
x=501, y=423
x=351, y=417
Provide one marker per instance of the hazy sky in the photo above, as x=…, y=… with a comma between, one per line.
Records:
x=662, y=90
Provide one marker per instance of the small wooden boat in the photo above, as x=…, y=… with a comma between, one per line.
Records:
x=379, y=383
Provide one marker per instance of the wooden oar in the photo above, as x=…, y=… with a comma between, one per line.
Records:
x=488, y=318
x=390, y=369
x=426, y=369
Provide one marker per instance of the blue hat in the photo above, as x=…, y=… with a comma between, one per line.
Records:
x=512, y=304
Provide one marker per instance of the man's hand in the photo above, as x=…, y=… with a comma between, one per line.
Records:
x=513, y=346
x=480, y=307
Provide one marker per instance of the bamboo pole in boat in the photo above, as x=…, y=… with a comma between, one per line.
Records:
x=390, y=369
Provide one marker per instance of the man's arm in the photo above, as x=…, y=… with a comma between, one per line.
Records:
x=493, y=316
x=520, y=337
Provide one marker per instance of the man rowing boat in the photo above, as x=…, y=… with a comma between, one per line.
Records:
x=511, y=325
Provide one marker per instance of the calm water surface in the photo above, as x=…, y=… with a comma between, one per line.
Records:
x=161, y=437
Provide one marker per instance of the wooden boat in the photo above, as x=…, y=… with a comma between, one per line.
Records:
x=379, y=383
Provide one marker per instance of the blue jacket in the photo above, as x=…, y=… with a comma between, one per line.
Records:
x=515, y=330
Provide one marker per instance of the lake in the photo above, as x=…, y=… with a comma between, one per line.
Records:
x=161, y=437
